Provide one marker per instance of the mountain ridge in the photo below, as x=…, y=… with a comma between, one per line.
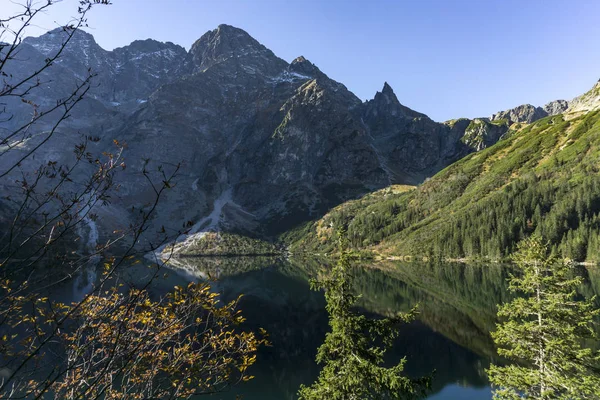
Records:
x=527, y=113
x=245, y=40
x=540, y=178
x=264, y=144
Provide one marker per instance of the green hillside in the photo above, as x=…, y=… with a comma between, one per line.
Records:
x=541, y=178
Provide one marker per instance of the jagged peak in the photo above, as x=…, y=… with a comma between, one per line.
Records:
x=302, y=66
x=300, y=59
x=386, y=95
x=387, y=101
x=387, y=89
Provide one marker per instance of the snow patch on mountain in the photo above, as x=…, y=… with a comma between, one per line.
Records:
x=289, y=76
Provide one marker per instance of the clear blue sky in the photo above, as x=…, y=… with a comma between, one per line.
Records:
x=446, y=58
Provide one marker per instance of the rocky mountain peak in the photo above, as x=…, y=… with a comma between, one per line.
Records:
x=387, y=90
x=386, y=102
x=226, y=42
x=80, y=54
x=123, y=78
x=148, y=46
x=481, y=133
x=302, y=66
x=526, y=113
x=140, y=52
x=50, y=42
x=298, y=60
x=386, y=95
x=556, y=107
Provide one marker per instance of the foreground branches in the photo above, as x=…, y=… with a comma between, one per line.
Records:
x=128, y=346
x=112, y=343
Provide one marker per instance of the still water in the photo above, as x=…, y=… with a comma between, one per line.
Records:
x=457, y=304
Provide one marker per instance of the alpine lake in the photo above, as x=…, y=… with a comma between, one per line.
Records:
x=457, y=306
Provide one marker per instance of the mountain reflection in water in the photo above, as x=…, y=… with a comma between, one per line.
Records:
x=457, y=308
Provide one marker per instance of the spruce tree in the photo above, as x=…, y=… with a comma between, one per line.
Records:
x=543, y=331
x=353, y=351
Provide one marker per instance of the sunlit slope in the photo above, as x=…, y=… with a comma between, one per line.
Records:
x=542, y=178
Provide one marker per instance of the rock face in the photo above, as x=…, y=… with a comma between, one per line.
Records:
x=525, y=113
x=589, y=101
x=268, y=142
x=481, y=132
x=263, y=143
x=410, y=145
x=556, y=107
x=125, y=76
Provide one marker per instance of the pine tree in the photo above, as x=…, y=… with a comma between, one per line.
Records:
x=353, y=352
x=543, y=331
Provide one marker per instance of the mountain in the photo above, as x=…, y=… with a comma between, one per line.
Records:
x=268, y=144
x=589, y=101
x=264, y=144
x=524, y=113
x=123, y=79
x=527, y=113
x=124, y=76
x=540, y=178
x=556, y=107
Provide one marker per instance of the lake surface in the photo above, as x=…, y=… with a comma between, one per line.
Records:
x=457, y=304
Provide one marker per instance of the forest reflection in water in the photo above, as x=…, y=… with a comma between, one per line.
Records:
x=457, y=310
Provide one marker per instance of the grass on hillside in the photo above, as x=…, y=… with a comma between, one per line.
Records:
x=540, y=178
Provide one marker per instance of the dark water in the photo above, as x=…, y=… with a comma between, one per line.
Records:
x=457, y=304
x=457, y=309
